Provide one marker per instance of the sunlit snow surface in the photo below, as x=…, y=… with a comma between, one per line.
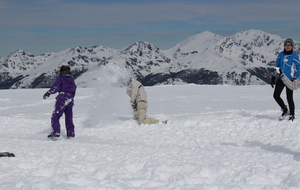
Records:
x=217, y=138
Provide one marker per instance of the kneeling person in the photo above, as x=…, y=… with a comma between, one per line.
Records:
x=138, y=100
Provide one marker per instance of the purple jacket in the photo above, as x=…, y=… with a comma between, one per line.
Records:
x=65, y=86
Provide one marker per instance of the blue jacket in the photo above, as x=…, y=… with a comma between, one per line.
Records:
x=289, y=64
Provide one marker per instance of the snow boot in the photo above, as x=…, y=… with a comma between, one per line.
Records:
x=51, y=136
x=6, y=154
x=291, y=118
x=285, y=112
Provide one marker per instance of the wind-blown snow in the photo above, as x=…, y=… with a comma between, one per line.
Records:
x=217, y=137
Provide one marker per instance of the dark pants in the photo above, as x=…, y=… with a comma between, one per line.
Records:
x=63, y=106
x=289, y=95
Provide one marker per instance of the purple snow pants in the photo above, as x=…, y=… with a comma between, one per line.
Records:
x=63, y=105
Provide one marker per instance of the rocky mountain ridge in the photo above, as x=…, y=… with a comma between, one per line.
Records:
x=244, y=58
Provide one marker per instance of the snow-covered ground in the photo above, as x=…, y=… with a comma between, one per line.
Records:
x=217, y=138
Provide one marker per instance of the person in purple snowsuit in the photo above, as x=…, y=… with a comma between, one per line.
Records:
x=66, y=89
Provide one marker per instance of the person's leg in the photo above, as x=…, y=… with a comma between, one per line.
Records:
x=277, y=92
x=290, y=99
x=142, y=118
x=141, y=111
x=135, y=114
x=70, y=128
x=57, y=113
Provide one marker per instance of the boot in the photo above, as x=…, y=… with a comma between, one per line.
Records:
x=291, y=118
x=51, y=136
x=285, y=112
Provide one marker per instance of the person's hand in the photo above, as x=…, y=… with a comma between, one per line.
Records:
x=46, y=95
x=278, y=72
x=273, y=78
x=133, y=105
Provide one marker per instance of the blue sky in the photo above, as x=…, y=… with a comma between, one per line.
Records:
x=40, y=26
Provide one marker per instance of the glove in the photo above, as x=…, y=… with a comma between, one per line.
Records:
x=133, y=105
x=273, y=81
x=278, y=72
x=46, y=95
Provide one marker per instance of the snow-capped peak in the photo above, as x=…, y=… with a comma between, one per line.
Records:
x=243, y=58
x=198, y=42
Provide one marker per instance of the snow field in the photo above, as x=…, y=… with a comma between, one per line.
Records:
x=217, y=137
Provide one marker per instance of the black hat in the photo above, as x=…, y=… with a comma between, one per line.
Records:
x=289, y=40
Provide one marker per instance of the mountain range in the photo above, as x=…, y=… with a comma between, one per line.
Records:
x=245, y=58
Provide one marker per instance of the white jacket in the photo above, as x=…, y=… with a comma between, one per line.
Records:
x=136, y=92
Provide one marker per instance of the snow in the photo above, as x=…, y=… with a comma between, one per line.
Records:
x=217, y=137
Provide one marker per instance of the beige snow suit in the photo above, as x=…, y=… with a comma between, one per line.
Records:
x=138, y=97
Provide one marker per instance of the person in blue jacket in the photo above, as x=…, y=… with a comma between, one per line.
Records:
x=289, y=63
x=66, y=89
